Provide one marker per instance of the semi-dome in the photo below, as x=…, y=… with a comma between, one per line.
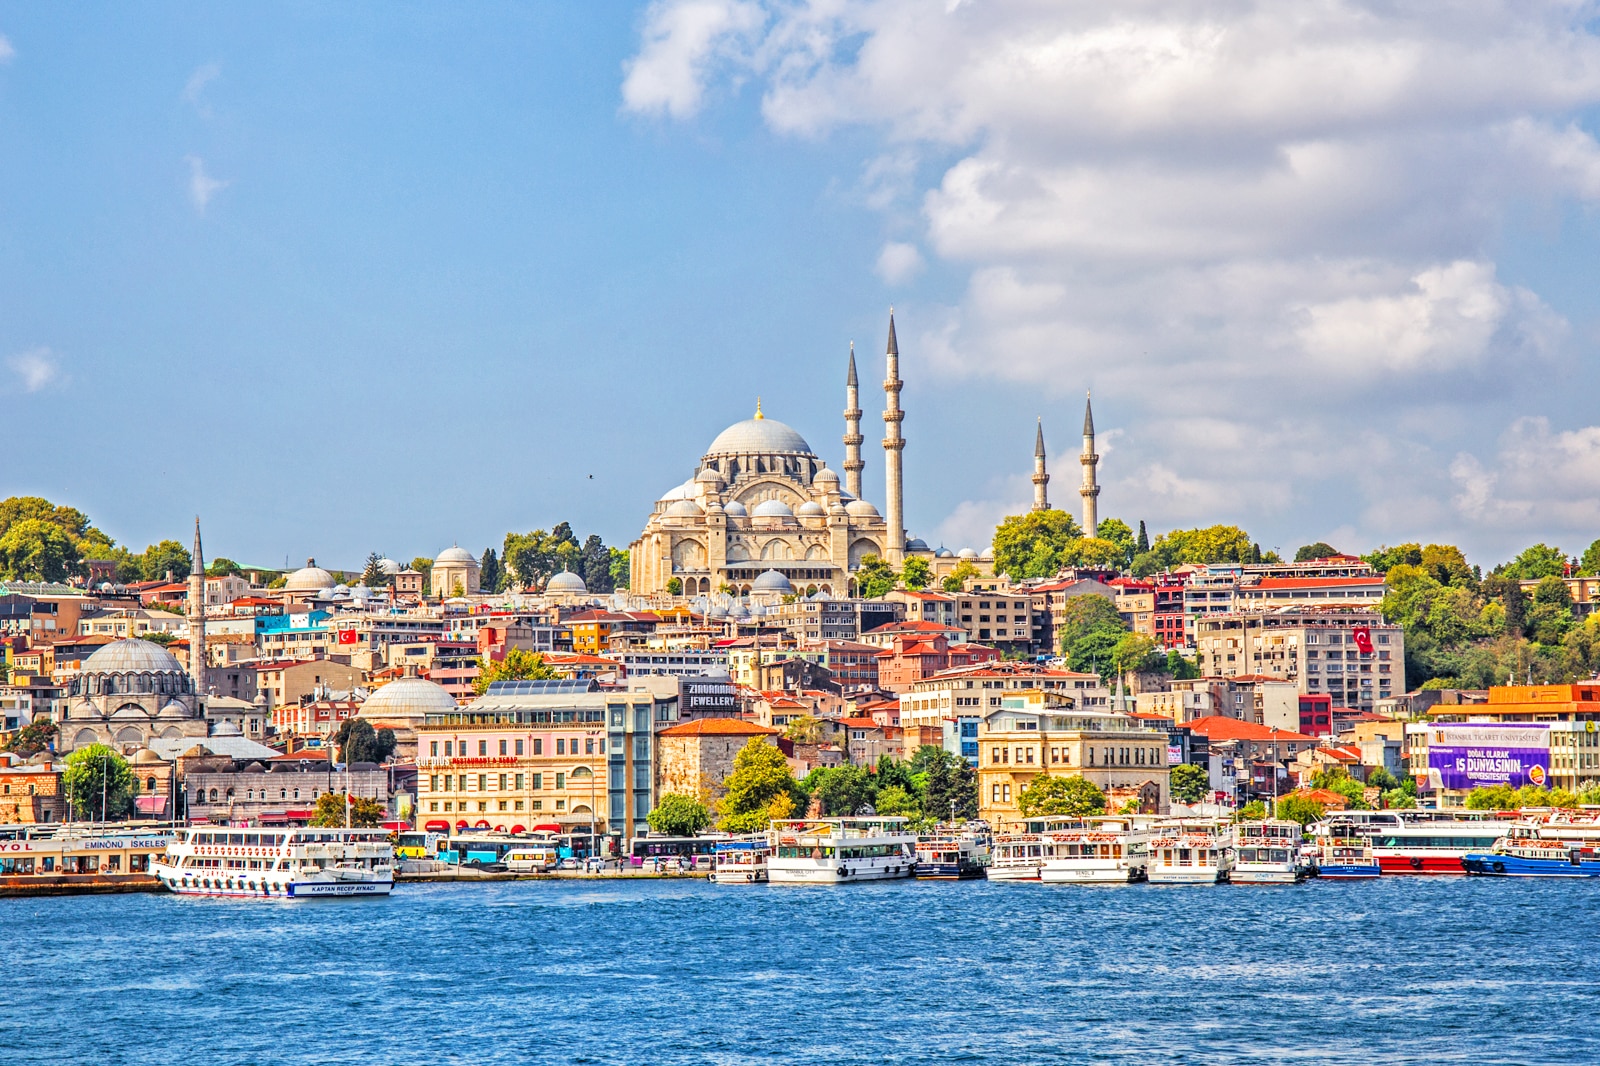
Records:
x=810, y=509
x=771, y=581
x=861, y=509
x=684, y=491
x=759, y=436
x=454, y=554
x=684, y=509
x=409, y=697
x=735, y=509
x=309, y=578
x=772, y=509
x=709, y=476
x=566, y=581
x=132, y=656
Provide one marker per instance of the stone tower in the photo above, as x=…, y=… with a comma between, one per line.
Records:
x=1041, y=498
x=893, y=445
x=853, y=464
x=1091, y=487
x=196, y=612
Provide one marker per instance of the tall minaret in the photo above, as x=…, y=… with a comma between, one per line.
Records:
x=197, y=614
x=893, y=445
x=1091, y=487
x=1041, y=499
x=852, y=430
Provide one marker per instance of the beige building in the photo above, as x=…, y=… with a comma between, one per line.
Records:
x=976, y=691
x=286, y=682
x=455, y=573
x=1317, y=649
x=694, y=758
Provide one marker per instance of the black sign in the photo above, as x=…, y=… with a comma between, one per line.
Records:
x=700, y=697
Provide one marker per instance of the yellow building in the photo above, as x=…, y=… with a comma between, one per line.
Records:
x=1037, y=732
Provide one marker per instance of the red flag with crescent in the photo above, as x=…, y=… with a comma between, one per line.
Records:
x=1363, y=638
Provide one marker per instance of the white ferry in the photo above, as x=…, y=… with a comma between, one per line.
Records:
x=1020, y=856
x=290, y=863
x=1190, y=852
x=1268, y=853
x=40, y=859
x=1104, y=851
x=952, y=856
x=831, y=851
x=740, y=860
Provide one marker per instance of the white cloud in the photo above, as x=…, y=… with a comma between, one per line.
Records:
x=7, y=51
x=202, y=186
x=681, y=41
x=899, y=262
x=1539, y=479
x=204, y=75
x=970, y=524
x=36, y=369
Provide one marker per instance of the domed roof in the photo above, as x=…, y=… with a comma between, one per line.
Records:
x=810, y=509
x=916, y=544
x=967, y=553
x=772, y=509
x=566, y=581
x=144, y=757
x=826, y=475
x=861, y=509
x=678, y=492
x=454, y=554
x=389, y=567
x=409, y=697
x=759, y=436
x=685, y=509
x=987, y=553
x=771, y=581
x=709, y=476
x=735, y=508
x=944, y=553
x=132, y=657
x=309, y=578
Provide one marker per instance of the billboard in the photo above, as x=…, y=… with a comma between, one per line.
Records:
x=1474, y=755
x=700, y=697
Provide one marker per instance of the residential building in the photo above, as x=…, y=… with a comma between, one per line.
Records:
x=30, y=791
x=974, y=691
x=906, y=662
x=285, y=682
x=854, y=665
x=814, y=618
x=1271, y=593
x=1048, y=603
x=1349, y=654
x=16, y=708
x=121, y=624
x=1243, y=747
x=884, y=636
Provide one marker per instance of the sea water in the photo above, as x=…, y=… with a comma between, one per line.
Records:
x=1398, y=970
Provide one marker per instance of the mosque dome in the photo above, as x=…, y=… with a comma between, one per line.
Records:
x=735, y=509
x=944, y=553
x=810, y=509
x=454, y=554
x=684, y=509
x=759, y=436
x=389, y=567
x=709, y=476
x=132, y=657
x=860, y=509
x=566, y=581
x=987, y=553
x=771, y=581
x=966, y=553
x=916, y=544
x=309, y=578
x=146, y=757
x=409, y=697
x=772, y=509
x=678, y=492
x=825, y=477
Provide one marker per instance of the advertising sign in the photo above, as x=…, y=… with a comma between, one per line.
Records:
x=1474, y=755
x=700, y=697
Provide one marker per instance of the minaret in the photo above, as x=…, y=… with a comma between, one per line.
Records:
x=197, y=614
x=1041, y=499
x=893, y=445
x=852, y=430
x=1091, y=487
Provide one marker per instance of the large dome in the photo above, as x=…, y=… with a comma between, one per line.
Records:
x=132, y=657
x=759, y=436
x=309, y=578
x=566, y=581
x=409, y=697
x=454, y=554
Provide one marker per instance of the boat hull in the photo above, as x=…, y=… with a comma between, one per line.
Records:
x=1091, y=874
x=738, y=877
x=1447, y=863
x=1349, y=871
x=947, y=871
x=1265, y=875
x=837, y=875
x=1479, y=865
x=1012, y=873
x=1206, y=876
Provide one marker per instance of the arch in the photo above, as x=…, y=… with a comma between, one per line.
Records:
x=738, y=552
x=580, y=772
x=130, y=735
x=777, y=549
x=150, y=785
x=862, y=548
x=582, y=808
x=85, y=737
x=130, y=710
x=172, y=732
x=811, y=590
x=818, y=553
x=688, y=555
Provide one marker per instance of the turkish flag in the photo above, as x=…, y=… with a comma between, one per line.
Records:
x=348, y=636
x=1363, y=638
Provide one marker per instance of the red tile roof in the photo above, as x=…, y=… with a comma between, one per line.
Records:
x=1217, y=727
x=717, y=727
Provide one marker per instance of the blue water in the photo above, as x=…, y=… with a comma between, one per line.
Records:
x=1397, y=970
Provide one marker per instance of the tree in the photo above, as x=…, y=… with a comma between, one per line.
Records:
x=357, y=741
x=31, y=739
x=1320, y=550
x=163, y=558
x=619, y=568
x=223, y=567
x=1208, y=544
x=1385, y=559
x=518, y=665
x=363, y=813
x=1536, y=561
x=898, y=800
x=100, y=783
x=843, y=790
x=1589, y=565
x=916, y=574
x=36, y=550
x=1048, y=794
x=1254, y=811
x=1134, y=652
x=424, y=566
x=957, y=578
x=804, y=729
x=874, y=577
x=1299, y=809
x=1081, y=615
x=1034, y=544
x=674, y=586
x=372, y=574
x=951, y=786
x=1180, y=668
x=760, y=789
x=1115, y=531
x=1492, y=798
x=491, y=575
x=678, y=815
x=1143, y=543
x=594, y=563
x=1095, y=553
x=1189, y=783
x=1381, y=778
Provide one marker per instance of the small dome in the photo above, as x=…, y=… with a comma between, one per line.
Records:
x=735, y=509
x=759, y=436
x=678, y=492
x=771, y=581
x=454, y=554
x=309, y=578
x=966, y=553
x=132, y=657
x=860, y=509
x=173, y=707
x=709, y=476
x=825, y=477
x=684, y=509
x=389, y=567
x=772, y=509
x=409, y=697
x=145, y=757
x=916, y=544
x=810, y=509
x=566, y=581
x=360, y=592
x=944, y=553
x=255, y=768
x=987, y=553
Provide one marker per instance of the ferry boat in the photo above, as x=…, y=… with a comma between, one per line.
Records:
x=1187, y=851
x=831, y=851
x=1525, y=852
x=952, y=856
x=1019, y=856
x=1102, y=851
x=740, y=860
x=1346, y=855
x=1433, y=847
x=1268, y=853
x=37, y=860
x=289, y=863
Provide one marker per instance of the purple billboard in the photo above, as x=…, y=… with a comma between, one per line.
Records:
x=1472, y=755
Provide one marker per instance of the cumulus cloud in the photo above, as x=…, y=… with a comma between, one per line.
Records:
x=1539, y=478
x=682, y=42
x=899, y=262
x=35, y=369
x=7, y=52
x=204, y=75
x=202, y=186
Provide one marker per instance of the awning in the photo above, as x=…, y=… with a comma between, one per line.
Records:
x=299, y=814
x=518, y=829
x=481, y=824
x=274, y=818
x=461, y=824
x=150, y=804
x=548, y=827
x=437, y=827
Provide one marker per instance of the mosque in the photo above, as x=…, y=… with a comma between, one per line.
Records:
x=764, y=514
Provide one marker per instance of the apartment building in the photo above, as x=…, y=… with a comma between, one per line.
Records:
x=1350, y=654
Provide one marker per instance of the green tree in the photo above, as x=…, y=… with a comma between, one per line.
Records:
x=223, y=567
x=916, y=574
x=1254, y=811
x=424, y=566
x=100, y=783
x=1189, y=783
x=674, y=586
x=1338, y=779
x=1208, y=544
x=372, y=574
x=534, y=557
x=36, y=550
x=1384, y=559
x=1134, y=652
x=1081, y=615
x=1320, y=550
x=594, y=563
x=1492, y=798
x=678, y=815
x=874, y=578
x=1116, y=531
x=1142, y=544
x=1399, y=799
x=956, y=580
x=1589, y=565
x=898, y=800
x=842, y=790
x=331, y=812
x=1094, y=553
x=1447, y=565
x=760, y=789
x=1180, y=668
x=619, y=568
x=357, y=741
x=1381, y=778
x=804, y=729
x=31, y=739
x=1299, y=809
x=1034, y=544
x=948, y=781
x=1049, y=794
x=163, y=558
x=1536, y=561
x=491, y=575
x=518, y=665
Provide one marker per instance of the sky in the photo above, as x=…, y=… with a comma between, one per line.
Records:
x=362, y=277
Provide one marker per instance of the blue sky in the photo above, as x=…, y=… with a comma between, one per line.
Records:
x=353, y=278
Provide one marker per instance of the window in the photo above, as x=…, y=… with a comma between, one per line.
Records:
x=519, y=752
x=483, y=748
x=538, y=783
x=519, y=780
x=502, y=784
x=588, y=746
x=561, y=746
x=433, y=782
x=561, y=780
x=502, y=747
x=434, y=749
x=1005, y=793
x=483, y=783
x=448, y=747
x=538, y=749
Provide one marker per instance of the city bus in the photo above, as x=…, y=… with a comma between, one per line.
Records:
x=694, y=852
x=419, y=845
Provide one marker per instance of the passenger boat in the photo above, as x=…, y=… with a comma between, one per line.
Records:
x=1268, y=853
x=1018, y=856
x=77, y=858
x=740, y=860
x=1525, y=852
x=831, y=851
x=952, y=856
x=1102, y=851
x=1432, y=847
x=1186, y=851
x=1346, y=855
x=289, y=863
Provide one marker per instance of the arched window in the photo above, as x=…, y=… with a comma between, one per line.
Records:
x=150, y=784
x=213, y=795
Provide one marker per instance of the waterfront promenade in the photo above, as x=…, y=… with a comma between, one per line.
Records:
x=1437, y=970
